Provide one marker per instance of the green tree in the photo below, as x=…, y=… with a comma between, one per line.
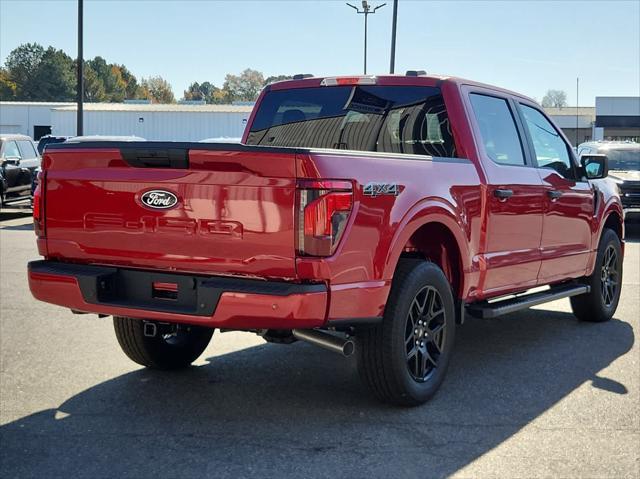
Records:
x=39, y=74
x=243, y=87
x=275, y=78
x=115, y=88
x=554, y=99
x=7, y=86
x=130, y=80
x=55, y=77
x=205, y=91
x=93, y=85
x=194, y=93
x=156, y=89
x=21, y=65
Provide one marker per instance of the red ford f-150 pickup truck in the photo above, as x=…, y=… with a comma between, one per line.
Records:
x=362, y=214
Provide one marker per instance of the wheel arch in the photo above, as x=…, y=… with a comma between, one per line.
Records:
x=433, y=231
x=613, y=220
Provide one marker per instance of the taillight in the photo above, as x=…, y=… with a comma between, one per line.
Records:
x=38, y=206
x=323, y=212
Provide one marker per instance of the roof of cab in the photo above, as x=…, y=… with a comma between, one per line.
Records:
x=414, y=79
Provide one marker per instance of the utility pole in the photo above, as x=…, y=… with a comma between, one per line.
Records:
x=394, y=24
x=80, y=87
x=366, y=11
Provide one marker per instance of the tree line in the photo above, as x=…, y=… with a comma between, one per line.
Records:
x=32, y=72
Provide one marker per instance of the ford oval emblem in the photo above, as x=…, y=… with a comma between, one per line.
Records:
x=159, y=199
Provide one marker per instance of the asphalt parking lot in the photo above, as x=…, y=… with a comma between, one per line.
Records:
x=535, y=394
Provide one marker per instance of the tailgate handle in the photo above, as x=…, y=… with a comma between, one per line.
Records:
x=156, y=158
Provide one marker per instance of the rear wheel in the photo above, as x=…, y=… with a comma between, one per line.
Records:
x=600, y=303
x=404, y=359
x=172, y=348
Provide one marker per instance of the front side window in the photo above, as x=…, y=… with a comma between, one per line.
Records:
x=11, y=150
x=551, y=150
x=498, y=129
x=395, y=119
x=27, y=149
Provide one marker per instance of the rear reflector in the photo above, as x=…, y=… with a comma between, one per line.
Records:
x=338, y=81
x=38, y=206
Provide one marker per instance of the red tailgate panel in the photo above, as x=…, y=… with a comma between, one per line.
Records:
x=235, y=212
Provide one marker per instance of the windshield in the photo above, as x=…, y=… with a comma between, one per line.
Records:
x=626, y=159
x=396, y=119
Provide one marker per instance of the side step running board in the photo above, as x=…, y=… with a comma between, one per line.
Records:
x=485, y=310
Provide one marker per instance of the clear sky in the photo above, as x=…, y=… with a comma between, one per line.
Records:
x=527, y=46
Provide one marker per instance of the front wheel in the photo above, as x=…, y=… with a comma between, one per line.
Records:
x=404, y=359
x=600, y=303
x=175, y=348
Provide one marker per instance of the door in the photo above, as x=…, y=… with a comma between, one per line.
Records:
x=511, y=250
x=28, y=164
x=568, y=200
x=11, y=165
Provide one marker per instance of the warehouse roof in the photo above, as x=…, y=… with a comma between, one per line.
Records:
x=36, y=103
x=159, y=107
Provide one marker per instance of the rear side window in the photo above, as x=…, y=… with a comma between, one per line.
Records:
x=551, y=150
x=498, y=129
x=27, y=149
x=405, y=119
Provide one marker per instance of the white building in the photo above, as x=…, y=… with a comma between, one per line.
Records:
x=27, y=117
x=617, y=118
x=174, y=122
x=576, y=123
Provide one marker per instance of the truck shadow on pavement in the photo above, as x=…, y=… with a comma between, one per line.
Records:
x=299, y=411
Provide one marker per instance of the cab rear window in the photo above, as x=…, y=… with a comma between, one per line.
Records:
x=411, y=120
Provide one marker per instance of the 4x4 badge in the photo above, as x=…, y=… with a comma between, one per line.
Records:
x=377, y=189
x=159, y=199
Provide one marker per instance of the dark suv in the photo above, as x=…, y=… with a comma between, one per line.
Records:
x=624, y=169
x=19, y=160
x=50, y=140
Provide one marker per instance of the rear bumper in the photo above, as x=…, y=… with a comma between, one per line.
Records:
x=215, y=302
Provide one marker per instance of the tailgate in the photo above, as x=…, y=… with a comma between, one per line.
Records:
x=218, y=209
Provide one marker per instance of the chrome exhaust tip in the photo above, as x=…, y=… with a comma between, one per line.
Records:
x=328, y=341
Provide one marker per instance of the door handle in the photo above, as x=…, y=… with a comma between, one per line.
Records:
x=503, y=194
x=554, y=194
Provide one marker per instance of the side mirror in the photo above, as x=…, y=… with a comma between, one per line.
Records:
x=594, y=166
x=11, y=160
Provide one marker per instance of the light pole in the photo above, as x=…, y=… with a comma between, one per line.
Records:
x=80, y=87
x=366, y=11
x=394, y=24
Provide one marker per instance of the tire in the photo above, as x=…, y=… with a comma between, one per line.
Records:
x=600, y=303
x=174, y=351
x=385, y=360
